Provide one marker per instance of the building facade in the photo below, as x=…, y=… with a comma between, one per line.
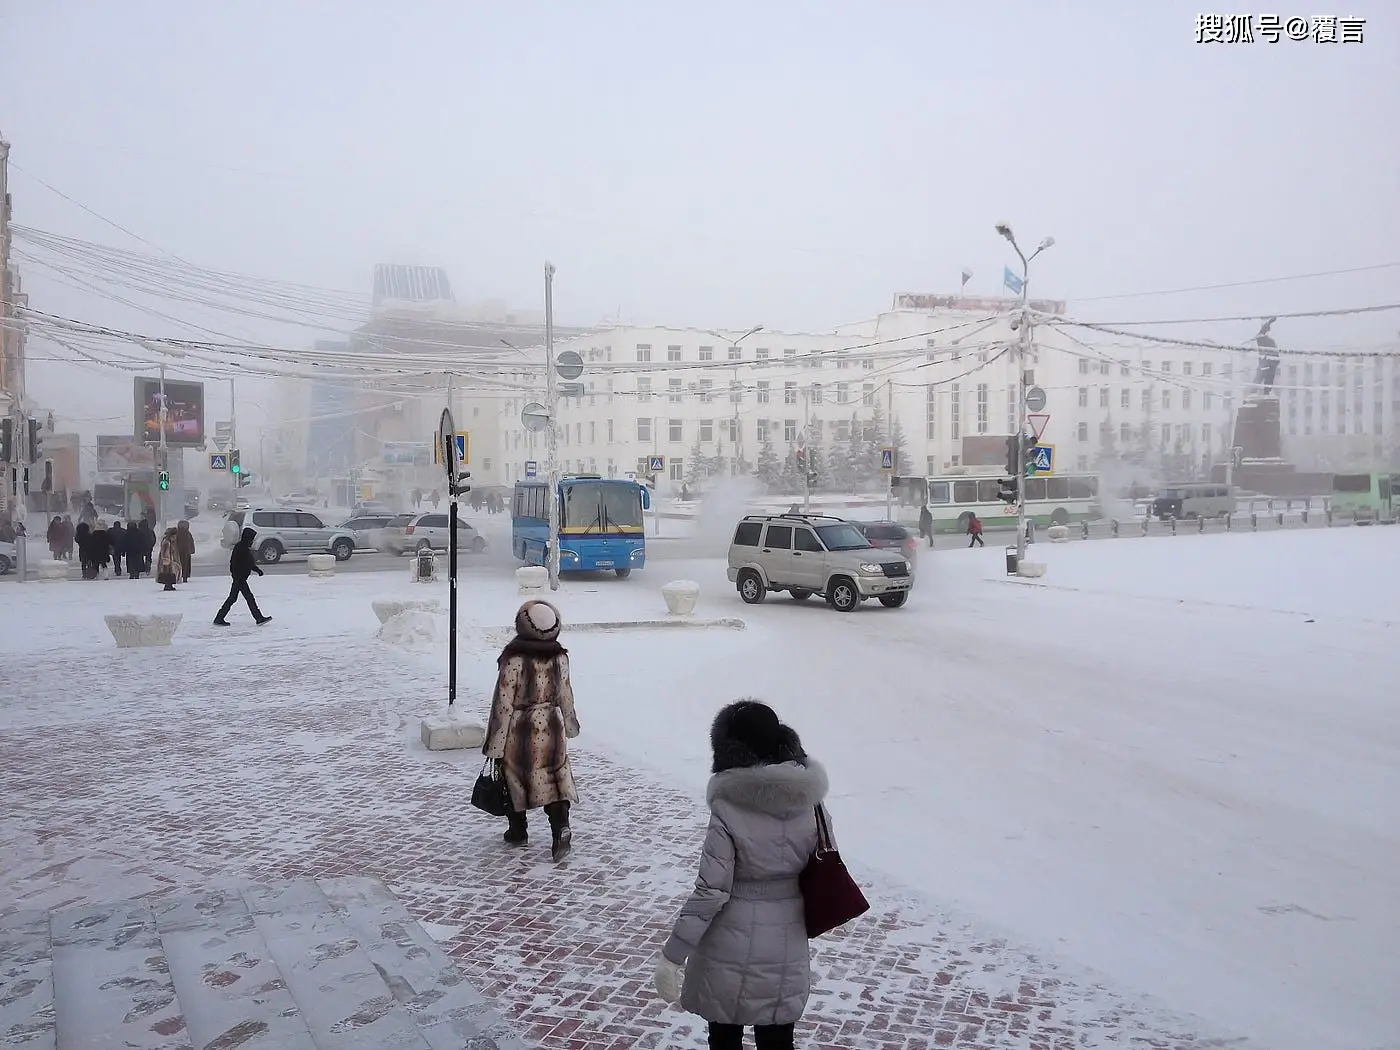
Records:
x=1341, y=412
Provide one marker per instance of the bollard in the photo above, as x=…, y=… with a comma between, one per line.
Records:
x=1254, y=522
x=1280, y=519
x=1144, y=526
x=1200, y=524
x=1011, y=561
x=1030, y=530
x=1113, y=527
x=1329, y=517
x=1229, y=523
x=1084, y=529
x=1305, y=517
x=1173, y=526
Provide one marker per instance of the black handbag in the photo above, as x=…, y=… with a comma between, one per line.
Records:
x=490, y=794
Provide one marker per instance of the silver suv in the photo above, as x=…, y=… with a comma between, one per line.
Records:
x=807, y=554
x=430, y=532
x=282, y=531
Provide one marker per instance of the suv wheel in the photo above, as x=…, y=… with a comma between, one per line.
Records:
x=751, y=587
x=894, y=601
x=342, y=549
x=842, y=594
x=799, y=595
x=270, y=553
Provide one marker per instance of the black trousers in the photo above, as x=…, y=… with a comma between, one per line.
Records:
x=766, y=1036
x=976, y=540
x=240, y=587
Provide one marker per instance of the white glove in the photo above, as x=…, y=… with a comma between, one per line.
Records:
x=669, y=980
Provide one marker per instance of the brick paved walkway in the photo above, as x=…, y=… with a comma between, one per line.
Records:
x=315, y=771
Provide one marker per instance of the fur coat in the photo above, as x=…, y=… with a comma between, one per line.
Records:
x=532, y=717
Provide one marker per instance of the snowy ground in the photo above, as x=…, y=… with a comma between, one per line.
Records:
x=1168, y=768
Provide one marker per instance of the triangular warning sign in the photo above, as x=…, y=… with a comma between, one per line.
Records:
x=1038, y=425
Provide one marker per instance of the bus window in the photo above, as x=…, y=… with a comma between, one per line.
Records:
x=1056, y=488
x=1079, y=488
x=987, y=490
x=1035, y=489
x=938, y=492
x=964, y=492
x=1093, y=483
x=1351, y=483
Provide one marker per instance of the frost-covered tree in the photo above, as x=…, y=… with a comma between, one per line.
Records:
x=899, y=442
x=854, y=459
x=769, y=468
x=698, y=468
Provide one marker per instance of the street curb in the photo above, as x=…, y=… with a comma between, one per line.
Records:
x=731, y=623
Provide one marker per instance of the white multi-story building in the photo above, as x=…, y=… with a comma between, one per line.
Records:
x=945, y=375
x=1341, y=412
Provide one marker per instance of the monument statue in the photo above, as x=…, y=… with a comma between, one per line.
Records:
x=1267, y=372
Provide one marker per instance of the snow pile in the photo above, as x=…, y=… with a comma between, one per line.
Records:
x=411, y=629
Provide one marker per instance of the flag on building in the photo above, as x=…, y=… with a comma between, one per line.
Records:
x=1012, y=281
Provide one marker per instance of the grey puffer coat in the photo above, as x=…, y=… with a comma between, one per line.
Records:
x=741, y=936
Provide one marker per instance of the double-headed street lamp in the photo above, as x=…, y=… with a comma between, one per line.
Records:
x=1022, y=353
x=735, y=395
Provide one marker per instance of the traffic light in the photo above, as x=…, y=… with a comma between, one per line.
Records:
x=25, y=482
x=36, y=443
x=1013, y=456
x=48, y=476
x=801, y=459
x=1007, y=490
x=164, y=480
x=811, y=477
x=464, y=478
x=234, y=467
x=7, y=440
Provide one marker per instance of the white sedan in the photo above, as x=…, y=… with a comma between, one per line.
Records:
x=9, y=557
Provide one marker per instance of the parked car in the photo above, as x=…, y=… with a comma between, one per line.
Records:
x=282, y=532
x=891, y=536
x=298, y=499
x=429, y=532
x=807, y=554
x=371, y=507
x=368, y=530
x=9, y=557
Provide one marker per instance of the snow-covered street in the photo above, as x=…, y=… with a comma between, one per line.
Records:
x=1156, y=793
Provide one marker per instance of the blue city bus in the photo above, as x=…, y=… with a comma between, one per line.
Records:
x=600, y=523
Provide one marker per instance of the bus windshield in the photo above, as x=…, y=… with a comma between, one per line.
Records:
x=601, y=507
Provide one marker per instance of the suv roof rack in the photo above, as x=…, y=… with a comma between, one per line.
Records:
x=792, y=517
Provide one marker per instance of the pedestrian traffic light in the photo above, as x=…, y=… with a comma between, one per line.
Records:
x=234, y=467
x=36, y=443
x=164, y=480
x=25, y=482
x=7, y=440
x=464, y=479
x=811, y=477
x=801, y=459
x=1013, y=456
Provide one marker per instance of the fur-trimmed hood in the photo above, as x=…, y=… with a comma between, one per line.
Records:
x=781, y=790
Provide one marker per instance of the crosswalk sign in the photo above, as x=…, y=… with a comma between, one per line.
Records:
x=887, y=459
x=218, y=461
x=656, y=464
x=1043, y=459
x=463, y=440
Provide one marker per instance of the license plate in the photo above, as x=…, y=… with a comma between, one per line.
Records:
x=605, y=565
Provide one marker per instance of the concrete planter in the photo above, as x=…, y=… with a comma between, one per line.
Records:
x=681, y=596
x=131, y=631
x=386, y=609
x=1058, y=533
x=532, y=579
x=451, y=732
x=1031, y=570
x=53, y=570
x=320, y=565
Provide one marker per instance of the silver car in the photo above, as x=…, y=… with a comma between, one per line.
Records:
x=807, y=554
x=429, y=532
x=283, y=532
x=9, y=557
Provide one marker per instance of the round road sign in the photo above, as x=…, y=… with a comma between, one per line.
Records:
x=569, y=364
x=534, y=417
x=1035, y=399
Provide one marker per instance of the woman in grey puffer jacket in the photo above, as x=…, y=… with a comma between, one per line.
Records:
x=740, y=941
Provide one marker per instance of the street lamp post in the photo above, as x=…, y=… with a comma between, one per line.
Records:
x=736, y=395
x=1023, y=348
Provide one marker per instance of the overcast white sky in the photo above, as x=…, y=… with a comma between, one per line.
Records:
x=782, y=163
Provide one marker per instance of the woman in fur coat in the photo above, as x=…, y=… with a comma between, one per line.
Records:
x=738, y=955
x=168, y=562
x=532, y=716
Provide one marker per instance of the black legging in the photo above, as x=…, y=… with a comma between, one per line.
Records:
x=240, y=587
x=766, y=1036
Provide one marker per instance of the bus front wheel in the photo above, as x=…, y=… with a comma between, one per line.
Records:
x=622, y=574
x=1059, y=517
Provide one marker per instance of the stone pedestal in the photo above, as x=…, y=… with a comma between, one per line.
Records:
x=132, y=631
x=320, y=565
x=1058, y=533
x=387, y=609
x=681, y=596
x=53, y=570
x=1257, y=429
x=452, y=732
x=532, y=579
x=1031, y=570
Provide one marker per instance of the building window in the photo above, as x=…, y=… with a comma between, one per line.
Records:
x=1083, y=432
x=867, y=394
x=643, y=388
x=1125, y=398
x=736, y=392
x=707, y=391
x=1205, y=434
x=815, y=393
x=1186, y=401
x=930, y=412
x=1166, y=368
x=763, y=392
x=1103, y=397
x=677, y=468
x=1166, y=399
x=673, y=391
x=676, y=431
x=1083, y=370
x=843, y=430
x=1125, y=432
x=592, y=433
x=867, y=363
x=843, y=362
x=981, y=408
x=1123, y=369
x=843, y=393
x=790, y=352
x=761, y=354
x=736, y=353
x=1208, y=368
x=1082, y=463
x=1103, y=368
x=644, y=430
x=763, y=431
x=707, y=430
x=789, y=430
x=1206, y=400
x=610, y=432
x=1186, y=368
x=1166, y=434
x=789, y=393
x=1011, y=409
x=643, y=351
x=1083, y=391
x=707, y=353
x=955, y=417
x=673, y=353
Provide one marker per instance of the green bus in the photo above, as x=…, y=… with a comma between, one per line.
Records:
x=1367, y=497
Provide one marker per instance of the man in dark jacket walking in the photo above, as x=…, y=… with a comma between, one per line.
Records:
x=241, y=565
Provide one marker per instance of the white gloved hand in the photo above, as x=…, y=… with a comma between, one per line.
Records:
x=669, y=980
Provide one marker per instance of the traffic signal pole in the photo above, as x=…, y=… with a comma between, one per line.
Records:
x=551, y=435
x=1022, y=358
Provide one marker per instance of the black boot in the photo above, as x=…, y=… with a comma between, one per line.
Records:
x=558, y=813
x=519, y=831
